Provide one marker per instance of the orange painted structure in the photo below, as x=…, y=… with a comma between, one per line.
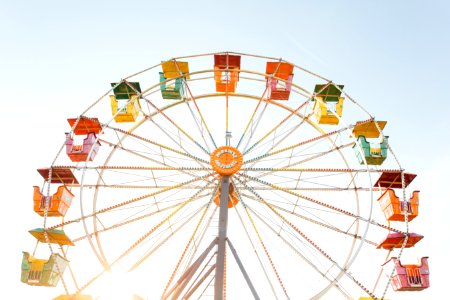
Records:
x=393, y=179
x=226, y=72
x=226, y=160
x=85, y=126
x=393, y=208
x=233, y=197
x=55, y=236
x=58, y=204
x=59, y=175
x=395, y=240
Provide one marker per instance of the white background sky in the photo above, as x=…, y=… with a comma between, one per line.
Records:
x=56, y=57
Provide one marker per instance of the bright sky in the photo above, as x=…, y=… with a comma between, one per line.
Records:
x=392, y=56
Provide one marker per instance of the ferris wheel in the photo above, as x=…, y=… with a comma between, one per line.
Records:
x=225, y=175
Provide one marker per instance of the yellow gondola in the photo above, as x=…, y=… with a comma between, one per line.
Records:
x=125, y=106
x=42, y=272
x=328, y=104
x=128, y=110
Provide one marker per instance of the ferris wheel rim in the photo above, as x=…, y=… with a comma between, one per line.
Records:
x=235, y=95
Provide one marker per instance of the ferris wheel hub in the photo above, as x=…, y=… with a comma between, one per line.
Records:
x=226, y=160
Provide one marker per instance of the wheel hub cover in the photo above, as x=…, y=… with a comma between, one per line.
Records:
x=226, y=160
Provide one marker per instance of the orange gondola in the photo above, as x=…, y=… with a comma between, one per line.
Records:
x=226, y=72
x=394, y=209
x=58, y=204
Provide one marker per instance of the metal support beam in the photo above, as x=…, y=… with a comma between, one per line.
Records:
x=221, y=243
x=241, y=266
x=195, y=287
x=179, y=285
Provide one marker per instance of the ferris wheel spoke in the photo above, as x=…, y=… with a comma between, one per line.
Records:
x=97, y=276
x=255, y=126
x=282, y=189
x=302, y=256
x=171, y=135
x=337, y=209
x=321, y=223
x=263, y=172
x=199, y=126
x=316, y=189
x=286, y=182
x=167, y=160
x=254, y=247
x=250, y=121
x=149, y=102
x=292, y=113
x=190, y=265
x=285, y=190
x=202, y=122
x=137, y=168
x=161, y=112
x=190, y=241
x=282, y=136
x=173, y=231
x=161, y=145
x=309, y=159
x=136, y=174
x=325, y=135
x=140, y=155
x=197, y=107
x=204, y=230
x=145, y=236
x=139, y=178
x=342, y=269
x=139, y=218
x=268, y=256
x=133, y=200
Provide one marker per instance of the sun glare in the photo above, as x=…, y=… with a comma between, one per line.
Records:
x=116, y=285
